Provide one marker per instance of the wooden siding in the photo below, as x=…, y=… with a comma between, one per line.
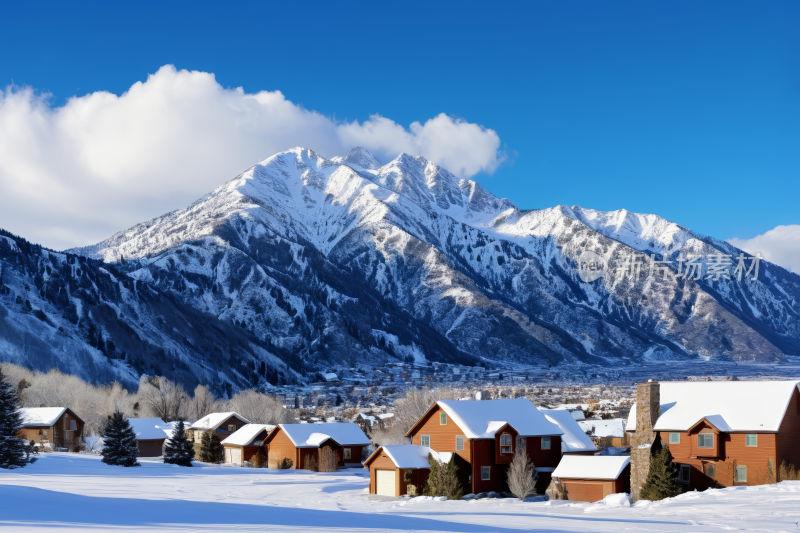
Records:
x=279, y=446
x=382, y=462
x=150, y=447
x=58, y=434
x=788, y=439
x=544, y=458
x=501, y=458
x=587, y=490
x=443, y=437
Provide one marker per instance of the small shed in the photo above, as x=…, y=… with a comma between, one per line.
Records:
x=588, y=478
x=245, y=443
x=393, y=468
x=301, y=443
x=150, y=435
x=50, y=427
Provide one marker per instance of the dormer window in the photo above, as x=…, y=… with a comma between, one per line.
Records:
x=231, y=427
x=505, y=443
x=705, y=440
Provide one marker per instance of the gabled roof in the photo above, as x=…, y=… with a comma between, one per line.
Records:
x=482, y=419
x=574, y=438
x=41, y=416
x=247, y=434
x=591, y=466
x=151, y=428
x=314, y=435
x=732, y=405
x=213, y=421
x=408, y=455
x=604, y=428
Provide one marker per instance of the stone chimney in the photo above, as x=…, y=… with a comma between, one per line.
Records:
x=648, y=409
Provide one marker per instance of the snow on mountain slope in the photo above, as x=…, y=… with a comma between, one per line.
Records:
x=312, y=256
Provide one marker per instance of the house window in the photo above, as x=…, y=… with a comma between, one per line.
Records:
x=459, y=443
x=486, y=473
x=705, y=440
x=545, y=443
x=231, y=427
x=347, y=453
x=741, y=474
x=751, y=440
x=73, y=425
x=710, y=470
x=683, y=474
x=425, y=440
x=674, y=438
x=442, y=419
x=505, y=443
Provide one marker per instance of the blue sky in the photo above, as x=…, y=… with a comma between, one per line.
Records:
x=690, y=110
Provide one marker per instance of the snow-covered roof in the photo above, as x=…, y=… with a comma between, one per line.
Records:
x=729, y=405
x=604, y=428
x=247, y=434
x=330, y=376
x=214, y=420
x=41, y=416
x=407, y=455
x=482, y=419
x=313, y=435
x=151, y=428
x=577, y=415
x=574, y=438
x=591, y=466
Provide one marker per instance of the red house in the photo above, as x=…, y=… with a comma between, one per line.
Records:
x=484, y=435
x=720, y=433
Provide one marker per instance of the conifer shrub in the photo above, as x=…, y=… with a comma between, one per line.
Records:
x=259, y=460
x=119, y=442
x=178, y=450
x=443, y=479
x=285, y=464
x=14, y=451
x=662, y=478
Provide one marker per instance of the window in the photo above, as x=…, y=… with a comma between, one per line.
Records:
x=73, y=425
x=505, y=443
x=545, y=443
x=684, y=473
x=705, y=440
x=425, y=440
x=347, y=453
x=751, y=440
x=741, y=474
x=710, y=470
x=459, y=443
x=442, y=419
x=231, y=427
x=486, y=473
x=674, y=438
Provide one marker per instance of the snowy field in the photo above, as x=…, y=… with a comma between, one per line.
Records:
x=70, y=492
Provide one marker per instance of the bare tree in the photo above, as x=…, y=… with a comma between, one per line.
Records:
x=521, y=475
x=407, y=411
x=259, y=408
x=202, y=403
x=327, y=459
x=164, y=398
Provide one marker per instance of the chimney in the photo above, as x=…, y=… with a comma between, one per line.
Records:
x=648, y=409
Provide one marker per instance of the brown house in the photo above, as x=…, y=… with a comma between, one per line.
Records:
x=393, y=468
x=245, y=443
x=484, y=435
x=301, y=443
x=221, y=424
x=51, y=427
x=720, y=433
x=151, y=433
x=591, y=478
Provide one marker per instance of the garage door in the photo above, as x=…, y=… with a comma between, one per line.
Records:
x=584, y=491
x=234, y=455
x=385, y=482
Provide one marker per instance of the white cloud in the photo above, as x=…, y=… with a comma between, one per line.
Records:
x=780, y=245
x=73, y=175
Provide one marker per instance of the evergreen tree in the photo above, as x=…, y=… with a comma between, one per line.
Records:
x=119, y=442
x=179, y=450
x=205, y=448
x=662, y=478
x=13, y=450
x=217, y=450
x=443, y=479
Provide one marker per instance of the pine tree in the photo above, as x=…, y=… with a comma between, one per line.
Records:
x=119, y=442
x=205, y=448
x=217, y=450
x=179, y=450
x=443, y=479
x=662, y=478
x=13, y=450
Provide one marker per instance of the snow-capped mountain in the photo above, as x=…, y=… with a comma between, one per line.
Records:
x=328, y=263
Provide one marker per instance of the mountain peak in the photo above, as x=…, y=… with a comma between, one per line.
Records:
x=358, y=156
